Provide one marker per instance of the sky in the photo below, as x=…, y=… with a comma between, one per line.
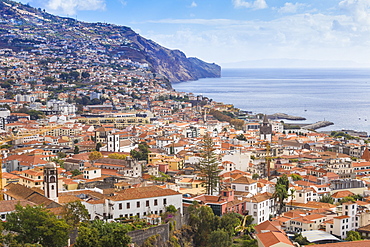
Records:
x=231, y=31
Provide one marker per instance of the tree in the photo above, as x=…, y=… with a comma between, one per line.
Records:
x=87, y=237
x=229, y=222
x=219, y=238
x=281, y=191
x=241, y=137
x=76, y=150
x=102, y=234
x=202, y=221
x=142, y=153
x=61, y=155
x=208, y=165
x=95, y=155
x=85, y=74
x=74, y=213
x=353, y=236
x=255, y=176
x=298, y=237
x=347, y=199
x=291, y=195
x=171, y=209
x=117, y=156
x=98, y=146
x=327, y=199
x=296, y=177
x=76, y=172
x=37, y=225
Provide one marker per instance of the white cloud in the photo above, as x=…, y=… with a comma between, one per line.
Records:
x=358, y=9
x=70, y=7
x=257, y=4
x=299, y=36
x=290, y=7
x=193, y=5
x=123, y=2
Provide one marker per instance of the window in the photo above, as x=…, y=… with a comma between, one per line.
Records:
x=255, y=206
x=128, y=205
x=155, y=202
x=165, y=201
x=138, y=204
x=120, y=206
x=234, y=187
x=246, y=188
x=147, y=203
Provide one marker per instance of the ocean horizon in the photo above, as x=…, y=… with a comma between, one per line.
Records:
x=339, y=95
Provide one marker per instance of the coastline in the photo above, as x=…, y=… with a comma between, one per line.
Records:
x=308, y=96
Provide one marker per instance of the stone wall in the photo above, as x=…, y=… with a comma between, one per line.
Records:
x=139, y=236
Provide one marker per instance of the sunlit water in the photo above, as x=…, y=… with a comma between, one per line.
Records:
x=341, y=96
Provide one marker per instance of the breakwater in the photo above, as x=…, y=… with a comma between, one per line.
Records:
x=317, y=125
x=285, y=116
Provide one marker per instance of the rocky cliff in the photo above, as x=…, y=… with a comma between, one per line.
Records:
x=25, y=28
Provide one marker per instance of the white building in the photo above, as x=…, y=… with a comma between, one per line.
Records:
x=348, y=221
x=91, y=173
x=241, y=160
x=142, y=201
x=62, y=106
x=245, y=184
x=260, y=206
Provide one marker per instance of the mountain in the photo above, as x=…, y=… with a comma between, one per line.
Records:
x=24, y=28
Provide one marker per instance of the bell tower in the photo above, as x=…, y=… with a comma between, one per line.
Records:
x=266, y=130
x=51, y=181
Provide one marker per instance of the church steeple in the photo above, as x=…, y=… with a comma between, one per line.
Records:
x=266, y=129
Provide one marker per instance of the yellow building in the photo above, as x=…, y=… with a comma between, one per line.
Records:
x=119, y=121
x=173, y=162
x=34, y=178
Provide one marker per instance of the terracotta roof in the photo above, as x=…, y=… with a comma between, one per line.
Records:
x=345, y=244
x=342, y=194
x=8, y=206
x=20, y=192
x=272, y=238
x=244, y=180
x=266, y=225
x=142, y=192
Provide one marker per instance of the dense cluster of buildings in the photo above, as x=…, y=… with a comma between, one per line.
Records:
x=58, y=107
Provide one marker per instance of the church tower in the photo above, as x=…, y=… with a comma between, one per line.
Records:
x=113, y=143
x=266, y=130
x=51, y=181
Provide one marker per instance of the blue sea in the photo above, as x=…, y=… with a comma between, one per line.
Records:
x=341, y=96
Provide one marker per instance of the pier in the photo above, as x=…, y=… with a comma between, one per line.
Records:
x=317, y=125
x=284, y=116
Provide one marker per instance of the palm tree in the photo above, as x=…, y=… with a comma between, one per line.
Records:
x=280, y=195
